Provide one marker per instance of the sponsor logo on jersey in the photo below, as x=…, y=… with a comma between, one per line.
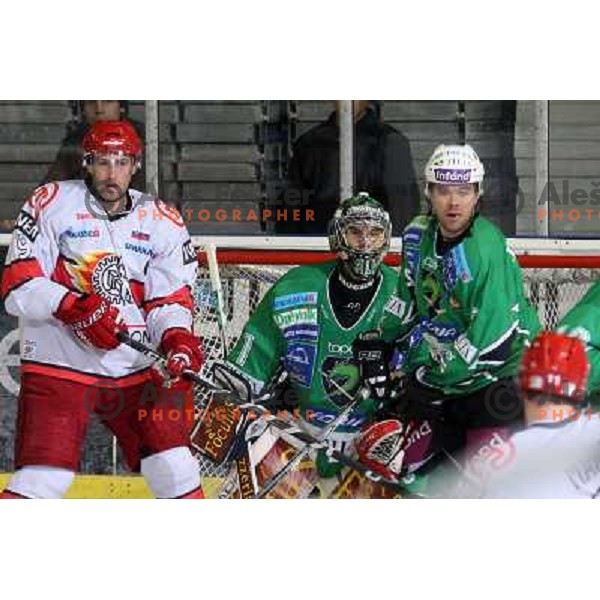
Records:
x=443, y=332
x=465, y=349
x=296, y=316
x=452, y=175
x=322, y=417
x=584, y=471
x=27, y=226
x=302, y=332
x=345, y=349
x=291, y=300
x=139, y=249
x=139, y=235
x=83, y=234
x=29, y=348
x=84, y=216
x=418, y=434
x=139, y=333
x=412, y=259
x=395, y=306
x=457, y=266
x=412, y=236
x=22, y=246
x=299, y=362
x=492, y=455
x=189, y=253
x=247, y=342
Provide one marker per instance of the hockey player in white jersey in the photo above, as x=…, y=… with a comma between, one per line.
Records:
x=558, y=454
x=89, y=258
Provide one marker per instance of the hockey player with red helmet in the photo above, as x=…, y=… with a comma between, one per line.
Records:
x=558, y=454
x=89, y=259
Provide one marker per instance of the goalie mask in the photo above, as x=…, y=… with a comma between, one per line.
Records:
x=359, y=234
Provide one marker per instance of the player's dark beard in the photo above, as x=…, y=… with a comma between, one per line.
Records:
x=113, y=206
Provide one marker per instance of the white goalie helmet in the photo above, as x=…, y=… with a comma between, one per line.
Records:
x=456, y=165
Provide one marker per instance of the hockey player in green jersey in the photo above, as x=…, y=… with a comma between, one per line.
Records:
x=310, y=319
x=583, y=321
x=471, y=321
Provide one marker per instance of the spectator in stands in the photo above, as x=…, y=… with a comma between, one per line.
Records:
x=383, y=168
x=68, y=162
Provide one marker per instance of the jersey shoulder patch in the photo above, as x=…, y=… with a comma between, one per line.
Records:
x=42, y=197
x=168, y=212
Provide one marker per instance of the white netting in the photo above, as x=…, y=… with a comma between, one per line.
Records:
x=552, y=290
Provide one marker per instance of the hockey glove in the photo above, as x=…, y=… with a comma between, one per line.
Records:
x=92, y=320
x=372, y=355
x=381, y=447
x=183, y=350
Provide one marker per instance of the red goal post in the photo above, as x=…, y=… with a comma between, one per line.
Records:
x=273, y=250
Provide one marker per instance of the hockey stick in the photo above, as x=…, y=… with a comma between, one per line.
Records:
x=126, y=339
x=361, y=394
x=316, y=443
x=215, y=279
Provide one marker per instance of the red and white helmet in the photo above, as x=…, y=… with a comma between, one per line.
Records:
x=557, y=365
x=454, y=165
x=112, y=137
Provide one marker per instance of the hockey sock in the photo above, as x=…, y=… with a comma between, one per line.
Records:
x=36, y=481
x=8, y=495
x=196, y=494
x=171, y=473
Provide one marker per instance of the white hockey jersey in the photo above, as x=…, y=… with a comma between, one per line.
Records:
x=551, y=460
x=142, y=262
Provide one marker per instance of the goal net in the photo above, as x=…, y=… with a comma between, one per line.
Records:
x=556, y=276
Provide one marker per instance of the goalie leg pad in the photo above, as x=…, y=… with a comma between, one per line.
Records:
x=41, y=482
x=382, y=446
x=172, y=473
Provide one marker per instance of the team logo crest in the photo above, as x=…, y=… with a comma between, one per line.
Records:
x=431, y=291
x=104, y=274
x=110, y=280
x=344, y=372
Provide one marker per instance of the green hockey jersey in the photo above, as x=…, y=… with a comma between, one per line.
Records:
x=471, y=318
x=295, y=326
x=583, y=321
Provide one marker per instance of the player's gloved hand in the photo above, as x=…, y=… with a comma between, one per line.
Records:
x=92, y=320
x=183, y=350
x=372, y=355
x=381, y=447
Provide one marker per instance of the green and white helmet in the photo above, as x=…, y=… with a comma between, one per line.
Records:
x=359, y=233
x=454, y=165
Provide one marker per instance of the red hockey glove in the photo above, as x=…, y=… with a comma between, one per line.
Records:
x=92, y=320
x=381, y=446
x=183, y=350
